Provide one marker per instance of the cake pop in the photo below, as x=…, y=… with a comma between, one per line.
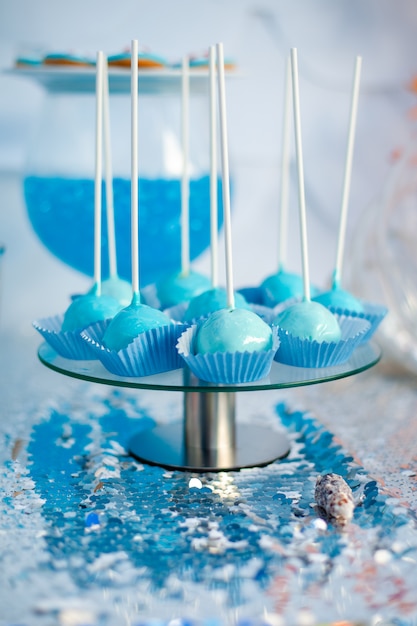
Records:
x=94, y=306
x=137, y=317
x=339, y=298
x=230, y=329
x=306, y=319
x=233, y=330
x=232, y=345
x=283, y=285
x=185, y=284
x=113, y=286
x=336, y=297
x=181, y=287
x=214, y=298
x=309, y=320
x=88, y=309
x=130, y=322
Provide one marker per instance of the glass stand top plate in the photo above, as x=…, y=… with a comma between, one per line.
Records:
x=281, y=376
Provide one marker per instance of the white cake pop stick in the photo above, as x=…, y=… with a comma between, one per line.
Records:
x=300, y=167
x=225, y=177
x=213, y=170
x=285, y=170
x=111, y=235
x=185, y=183
x=98, y=172
x=348, y=172
x=134, y=169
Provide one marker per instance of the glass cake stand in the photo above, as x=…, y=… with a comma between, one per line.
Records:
x=209, y=438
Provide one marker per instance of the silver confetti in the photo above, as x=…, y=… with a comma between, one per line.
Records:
x=335, y=497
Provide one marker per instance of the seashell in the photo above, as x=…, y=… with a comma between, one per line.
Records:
x=335, y=497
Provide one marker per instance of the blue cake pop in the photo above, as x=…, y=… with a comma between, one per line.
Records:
x=131, y=322
x=282, y=286
x=212, y=300
x=136, y=318
x=230, y=329
x=113, y=286
x=336, y=297
x=94, y=306
x=233, y=330
x=339, y=299
x=181, y=287
x=185, y=284
x=306, y=319
x=88, y=309
x=309, y=320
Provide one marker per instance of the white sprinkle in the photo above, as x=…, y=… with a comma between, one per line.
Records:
x=196, y=483
x=382, y=556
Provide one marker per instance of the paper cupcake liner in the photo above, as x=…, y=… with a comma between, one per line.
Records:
x=68, y=344
x=228, y=368
x=306, y=353
x=152, y=352
x=372, y=313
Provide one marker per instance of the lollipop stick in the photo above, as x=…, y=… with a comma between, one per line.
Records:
x=348, y=172
x=299, y=153
x=134, y=170
x=111, y=235
x=213, y=170
x=98, y=172
x=185, y=185
x=285, y=170
x=225, y=173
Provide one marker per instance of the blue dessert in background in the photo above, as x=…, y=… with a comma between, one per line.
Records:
x=61, y=211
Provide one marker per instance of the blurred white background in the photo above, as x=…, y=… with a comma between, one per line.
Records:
x=258, y=35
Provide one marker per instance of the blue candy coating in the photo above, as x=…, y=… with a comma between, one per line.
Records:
x=212, y=300
x=233, y=330
x=339, y=299
x=309, y=320
x=180, y=287
x=130, y=322
x=88, y=309
x=282, y=286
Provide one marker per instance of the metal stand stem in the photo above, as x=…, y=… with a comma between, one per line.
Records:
x=209, y=438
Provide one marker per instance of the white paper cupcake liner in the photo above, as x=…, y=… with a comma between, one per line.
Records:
x=152, y=352
x=68, y=344
x=306, y=353
x=228, y=368
x=372, y=313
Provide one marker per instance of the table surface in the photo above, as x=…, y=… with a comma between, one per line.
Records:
x=90, y=536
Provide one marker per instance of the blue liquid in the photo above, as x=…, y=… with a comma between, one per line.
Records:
x=61, y=211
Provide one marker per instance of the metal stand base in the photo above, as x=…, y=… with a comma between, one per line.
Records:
x=209, y=439
x=164, y=445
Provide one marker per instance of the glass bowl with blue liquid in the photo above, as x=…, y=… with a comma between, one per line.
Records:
x=59, y=178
